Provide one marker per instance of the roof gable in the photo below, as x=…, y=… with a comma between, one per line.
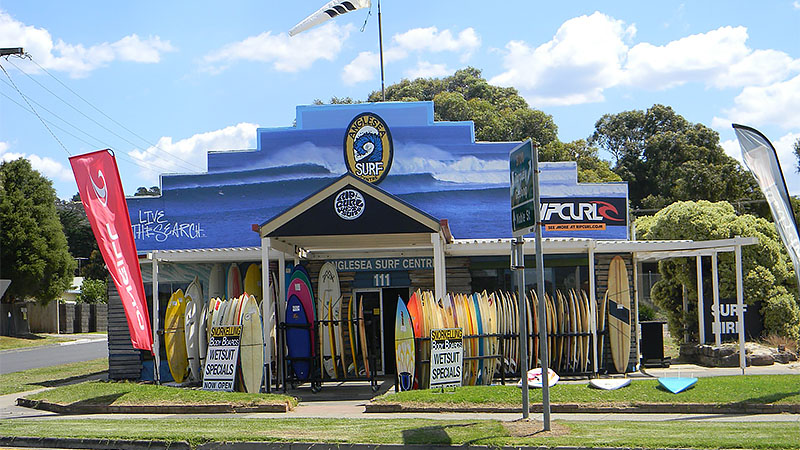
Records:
x=349, y=206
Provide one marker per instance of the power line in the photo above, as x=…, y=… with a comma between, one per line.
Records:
x=98, y=142
x=141, y=164
x=192, y=166
x=34, y=109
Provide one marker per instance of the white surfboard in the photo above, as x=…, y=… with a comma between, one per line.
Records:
x=330, y=306
x=609, y=384
x=194, y=299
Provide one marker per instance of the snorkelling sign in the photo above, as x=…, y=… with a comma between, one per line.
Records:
x=368, y=148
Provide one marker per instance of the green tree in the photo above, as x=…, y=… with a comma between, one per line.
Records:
x=796, y=149
x=93, y=291
x=768, y=274
x=95, y=267
x=34, y=252
x=142, y=191
x=665, y=158
x=498, y=114
x=80, y=238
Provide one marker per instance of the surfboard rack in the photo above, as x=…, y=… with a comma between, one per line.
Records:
x=317, y=375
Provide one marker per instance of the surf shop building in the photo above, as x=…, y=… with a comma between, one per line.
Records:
x=397, y=202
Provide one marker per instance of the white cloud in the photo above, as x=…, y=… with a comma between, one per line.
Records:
x=192, y=149
x=76, y=59
x=796, y=5
x=777, y=104
x=425, y=69
x=718, y=58
x=432, y=40
x=48, y=167
x=361, y=69
x=590, y=54
x=584, y=57
x=286, y=54
x=366, y=65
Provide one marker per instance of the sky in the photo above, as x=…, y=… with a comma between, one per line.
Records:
x=161, y=83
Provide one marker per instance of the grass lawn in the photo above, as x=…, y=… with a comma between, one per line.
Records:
x=779, y=389
x=130, y=393
x=28, y=380
x=420, y=431
x=31, y=340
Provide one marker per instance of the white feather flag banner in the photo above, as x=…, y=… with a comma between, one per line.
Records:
x=760, y=157
x=329, y=11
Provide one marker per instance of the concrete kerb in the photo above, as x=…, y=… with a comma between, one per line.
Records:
x=109, y=444
x=571, y=408
x=151, y=409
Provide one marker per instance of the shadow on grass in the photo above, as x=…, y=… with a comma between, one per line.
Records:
x=67, y=380
x=772, y=398
x=434, y=435
x=103, y=400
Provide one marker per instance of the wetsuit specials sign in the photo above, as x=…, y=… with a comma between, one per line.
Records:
x=223, y=353
x=447, y=349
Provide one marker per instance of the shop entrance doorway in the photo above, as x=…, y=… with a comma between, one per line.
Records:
x=380, y=308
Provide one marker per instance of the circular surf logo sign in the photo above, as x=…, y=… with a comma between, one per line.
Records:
x=349, y=204
x=368, y=148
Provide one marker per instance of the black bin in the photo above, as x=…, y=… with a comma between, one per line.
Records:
x=653, y=344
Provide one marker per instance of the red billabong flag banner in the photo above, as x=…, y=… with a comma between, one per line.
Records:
x=101, y=193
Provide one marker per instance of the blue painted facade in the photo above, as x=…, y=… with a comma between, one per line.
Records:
x=438, y=168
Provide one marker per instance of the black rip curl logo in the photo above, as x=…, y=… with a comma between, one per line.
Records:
x=349, y=204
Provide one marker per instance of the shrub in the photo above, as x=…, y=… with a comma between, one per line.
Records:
x=93, y=291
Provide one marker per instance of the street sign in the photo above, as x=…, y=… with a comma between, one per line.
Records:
x=522, y=189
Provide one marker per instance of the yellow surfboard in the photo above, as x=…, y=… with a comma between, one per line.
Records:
x=175, y=336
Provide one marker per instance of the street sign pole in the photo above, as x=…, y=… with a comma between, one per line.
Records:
x=518, y=265
x=525, y=218
x=540, y=293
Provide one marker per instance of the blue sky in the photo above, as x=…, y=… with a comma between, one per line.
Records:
x=184, y=78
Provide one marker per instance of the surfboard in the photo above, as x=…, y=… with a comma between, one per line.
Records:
x=251, y=353
x=491, y=325
x=601, y=327
x=479, y=371
x=216, y=281
x=619, y=314
x=352, y=327
x=609, y=384
x=329, y=304
x=404, y=346
x=194, y=299
x=252, y=281
x=417, y=321
x=233, y=282
x=535, y=379
x=302, y=291
x=175, y=336
x=677, y=384
x=362, y=332
x=203, y=338
x=298, y=340
x=585, y=320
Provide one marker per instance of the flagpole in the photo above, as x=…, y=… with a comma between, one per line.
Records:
x=380, y=44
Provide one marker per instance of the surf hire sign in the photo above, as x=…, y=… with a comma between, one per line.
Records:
x=103, y=199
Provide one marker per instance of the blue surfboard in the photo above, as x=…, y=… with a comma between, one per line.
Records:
x=677, y=384
x=481, y=351
x=298, y=340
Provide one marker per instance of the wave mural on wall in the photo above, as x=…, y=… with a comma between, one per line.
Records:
x=438, y=167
